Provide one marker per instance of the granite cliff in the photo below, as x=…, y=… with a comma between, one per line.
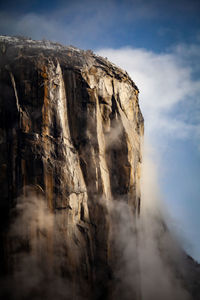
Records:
x=71, y=132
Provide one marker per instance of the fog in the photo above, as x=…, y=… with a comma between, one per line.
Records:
x=161, y=259
x=147, y=261
x=36, y=250
x=151, y=263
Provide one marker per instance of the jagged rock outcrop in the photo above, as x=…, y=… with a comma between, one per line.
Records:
x=71, y=131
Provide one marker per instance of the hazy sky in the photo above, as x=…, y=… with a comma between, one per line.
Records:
x=158, y=43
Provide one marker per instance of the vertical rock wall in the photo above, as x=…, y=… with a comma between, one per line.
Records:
x=71, y=130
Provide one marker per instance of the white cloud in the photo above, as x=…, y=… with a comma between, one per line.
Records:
x=169, y=86
x=165, y=81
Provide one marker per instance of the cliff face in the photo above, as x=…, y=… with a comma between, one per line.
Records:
x=71, y=131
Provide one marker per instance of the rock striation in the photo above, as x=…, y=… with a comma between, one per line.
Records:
x=71, y=131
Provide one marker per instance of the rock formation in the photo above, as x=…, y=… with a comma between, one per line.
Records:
x=70, y=158
x=71, y=131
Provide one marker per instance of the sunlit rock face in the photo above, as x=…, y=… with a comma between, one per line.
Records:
x=71, y=131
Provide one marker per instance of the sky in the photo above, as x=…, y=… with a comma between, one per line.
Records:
x=158, y=43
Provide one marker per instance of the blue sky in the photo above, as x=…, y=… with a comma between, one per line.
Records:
x=158, y=43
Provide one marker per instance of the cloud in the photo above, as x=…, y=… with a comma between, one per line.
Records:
x=166, y=81
x=89, y=23
x=169, y=86
x=148, y=254
x=32, y=25
x=78, y=23
x=37, y=251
